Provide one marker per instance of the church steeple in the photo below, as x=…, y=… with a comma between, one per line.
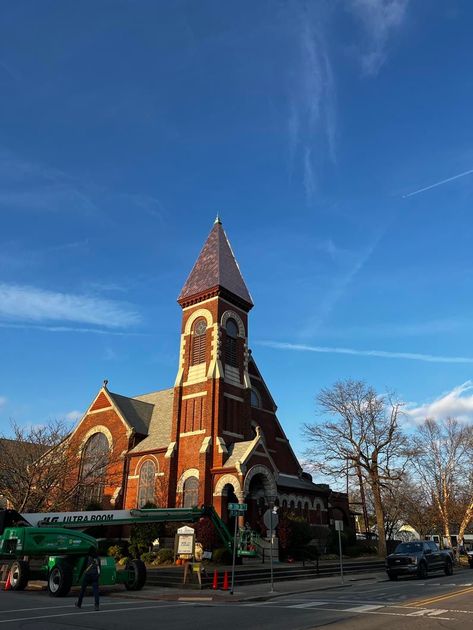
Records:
x=216, y=272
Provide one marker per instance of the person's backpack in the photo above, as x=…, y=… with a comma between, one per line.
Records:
x=93, y=566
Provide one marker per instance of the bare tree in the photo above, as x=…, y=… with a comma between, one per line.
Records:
x=443, y=463
x=39, y=471
x=361, y=429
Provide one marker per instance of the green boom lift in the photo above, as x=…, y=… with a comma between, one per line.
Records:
x=51, y=547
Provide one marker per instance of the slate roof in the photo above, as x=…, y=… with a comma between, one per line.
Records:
x=136, y=412
x=215, y=267
x=238, y=450
x=300, y=484
x=160, y=419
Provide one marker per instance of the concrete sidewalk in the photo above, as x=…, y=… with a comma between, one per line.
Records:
x=249, y=593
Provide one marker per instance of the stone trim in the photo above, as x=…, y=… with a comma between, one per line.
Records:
x=221, y=446
x=237, y=435
x=233, y=397
x=99, y=428
x=233, y=481
x=206, y=444
x=143, y=459
x=232, y=315
x=171, y=449
x=89, y=413
x=190, y=472
x=201, y=312
x=199, y=432
x=197, y=395
x=259, y=469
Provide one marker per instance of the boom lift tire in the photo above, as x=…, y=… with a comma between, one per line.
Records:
x=137, y=569
x=19, y=574
x=60, y=579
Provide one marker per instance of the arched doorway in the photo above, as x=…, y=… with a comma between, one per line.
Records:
x=227, y=490
x=260, y=490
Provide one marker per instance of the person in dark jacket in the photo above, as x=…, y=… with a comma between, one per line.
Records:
x=90, y=577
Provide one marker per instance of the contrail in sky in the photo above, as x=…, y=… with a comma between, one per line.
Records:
x=412, y=356
x=444, y=181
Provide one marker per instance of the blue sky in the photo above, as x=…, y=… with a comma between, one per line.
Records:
x=312, y=128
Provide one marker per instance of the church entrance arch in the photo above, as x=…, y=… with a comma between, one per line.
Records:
x=259, y=487
x=227, y=490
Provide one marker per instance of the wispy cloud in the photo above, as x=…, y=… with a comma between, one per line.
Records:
x=32, y=186
x=380, y=19
x=410, y=356
x=440, y=183
x=309, y=175
x=311, y=121
x=74, y=329
x=30, y=304
x=3, y=401
x=403, y=329
x=457, y=403
x=73, y=416
x=339, y=288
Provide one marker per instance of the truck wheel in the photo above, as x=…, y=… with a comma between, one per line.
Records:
x=392, y=576
x=137, y=575
x=19, y=574
x=448, y=568
x=422, y=571
x=60, y=580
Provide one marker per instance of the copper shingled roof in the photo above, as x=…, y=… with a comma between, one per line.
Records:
x=216, y=267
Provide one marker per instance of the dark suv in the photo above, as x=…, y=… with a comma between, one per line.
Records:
x=418, y=558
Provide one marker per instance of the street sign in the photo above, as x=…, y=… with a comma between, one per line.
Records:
x=237, y=507
x=271, y=519
x=339, y=526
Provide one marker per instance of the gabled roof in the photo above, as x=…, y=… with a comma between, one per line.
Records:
x=216, y=267
x=135, y=412
x=160, y=423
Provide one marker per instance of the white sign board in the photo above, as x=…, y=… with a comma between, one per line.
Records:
x=339, y=526
x=185, y=541
x=185, y=545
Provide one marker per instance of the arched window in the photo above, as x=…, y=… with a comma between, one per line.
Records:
x=255, y=399
x=299, y=507
x=231, y=343
x=146, y=485
x=198, y=341
x=95, y=458
x=191, y=492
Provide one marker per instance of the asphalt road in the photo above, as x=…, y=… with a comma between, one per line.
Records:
x=438, y=602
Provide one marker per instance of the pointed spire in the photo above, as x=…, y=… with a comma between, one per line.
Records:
x=218, y=219
x=216, y=270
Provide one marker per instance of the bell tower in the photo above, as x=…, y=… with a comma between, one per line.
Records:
x=212, y=388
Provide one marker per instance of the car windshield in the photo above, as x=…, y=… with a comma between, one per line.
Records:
x=411, y=547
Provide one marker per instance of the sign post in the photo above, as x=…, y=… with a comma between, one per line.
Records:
x=339, y=528
x=271, y=520
x=235, y=509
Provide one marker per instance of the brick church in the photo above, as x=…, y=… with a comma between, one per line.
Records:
x=212, y=438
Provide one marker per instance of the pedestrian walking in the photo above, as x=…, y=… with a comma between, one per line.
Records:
x=90, y=578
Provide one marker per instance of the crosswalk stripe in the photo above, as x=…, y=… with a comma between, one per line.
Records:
x=307, y=605
x=364, y=608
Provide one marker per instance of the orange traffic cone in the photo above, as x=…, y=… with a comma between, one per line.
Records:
x=225, y=581
x=8, y=582
x=215, y=582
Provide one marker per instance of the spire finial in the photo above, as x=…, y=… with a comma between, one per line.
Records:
x=218, y=219
x=105, y=383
